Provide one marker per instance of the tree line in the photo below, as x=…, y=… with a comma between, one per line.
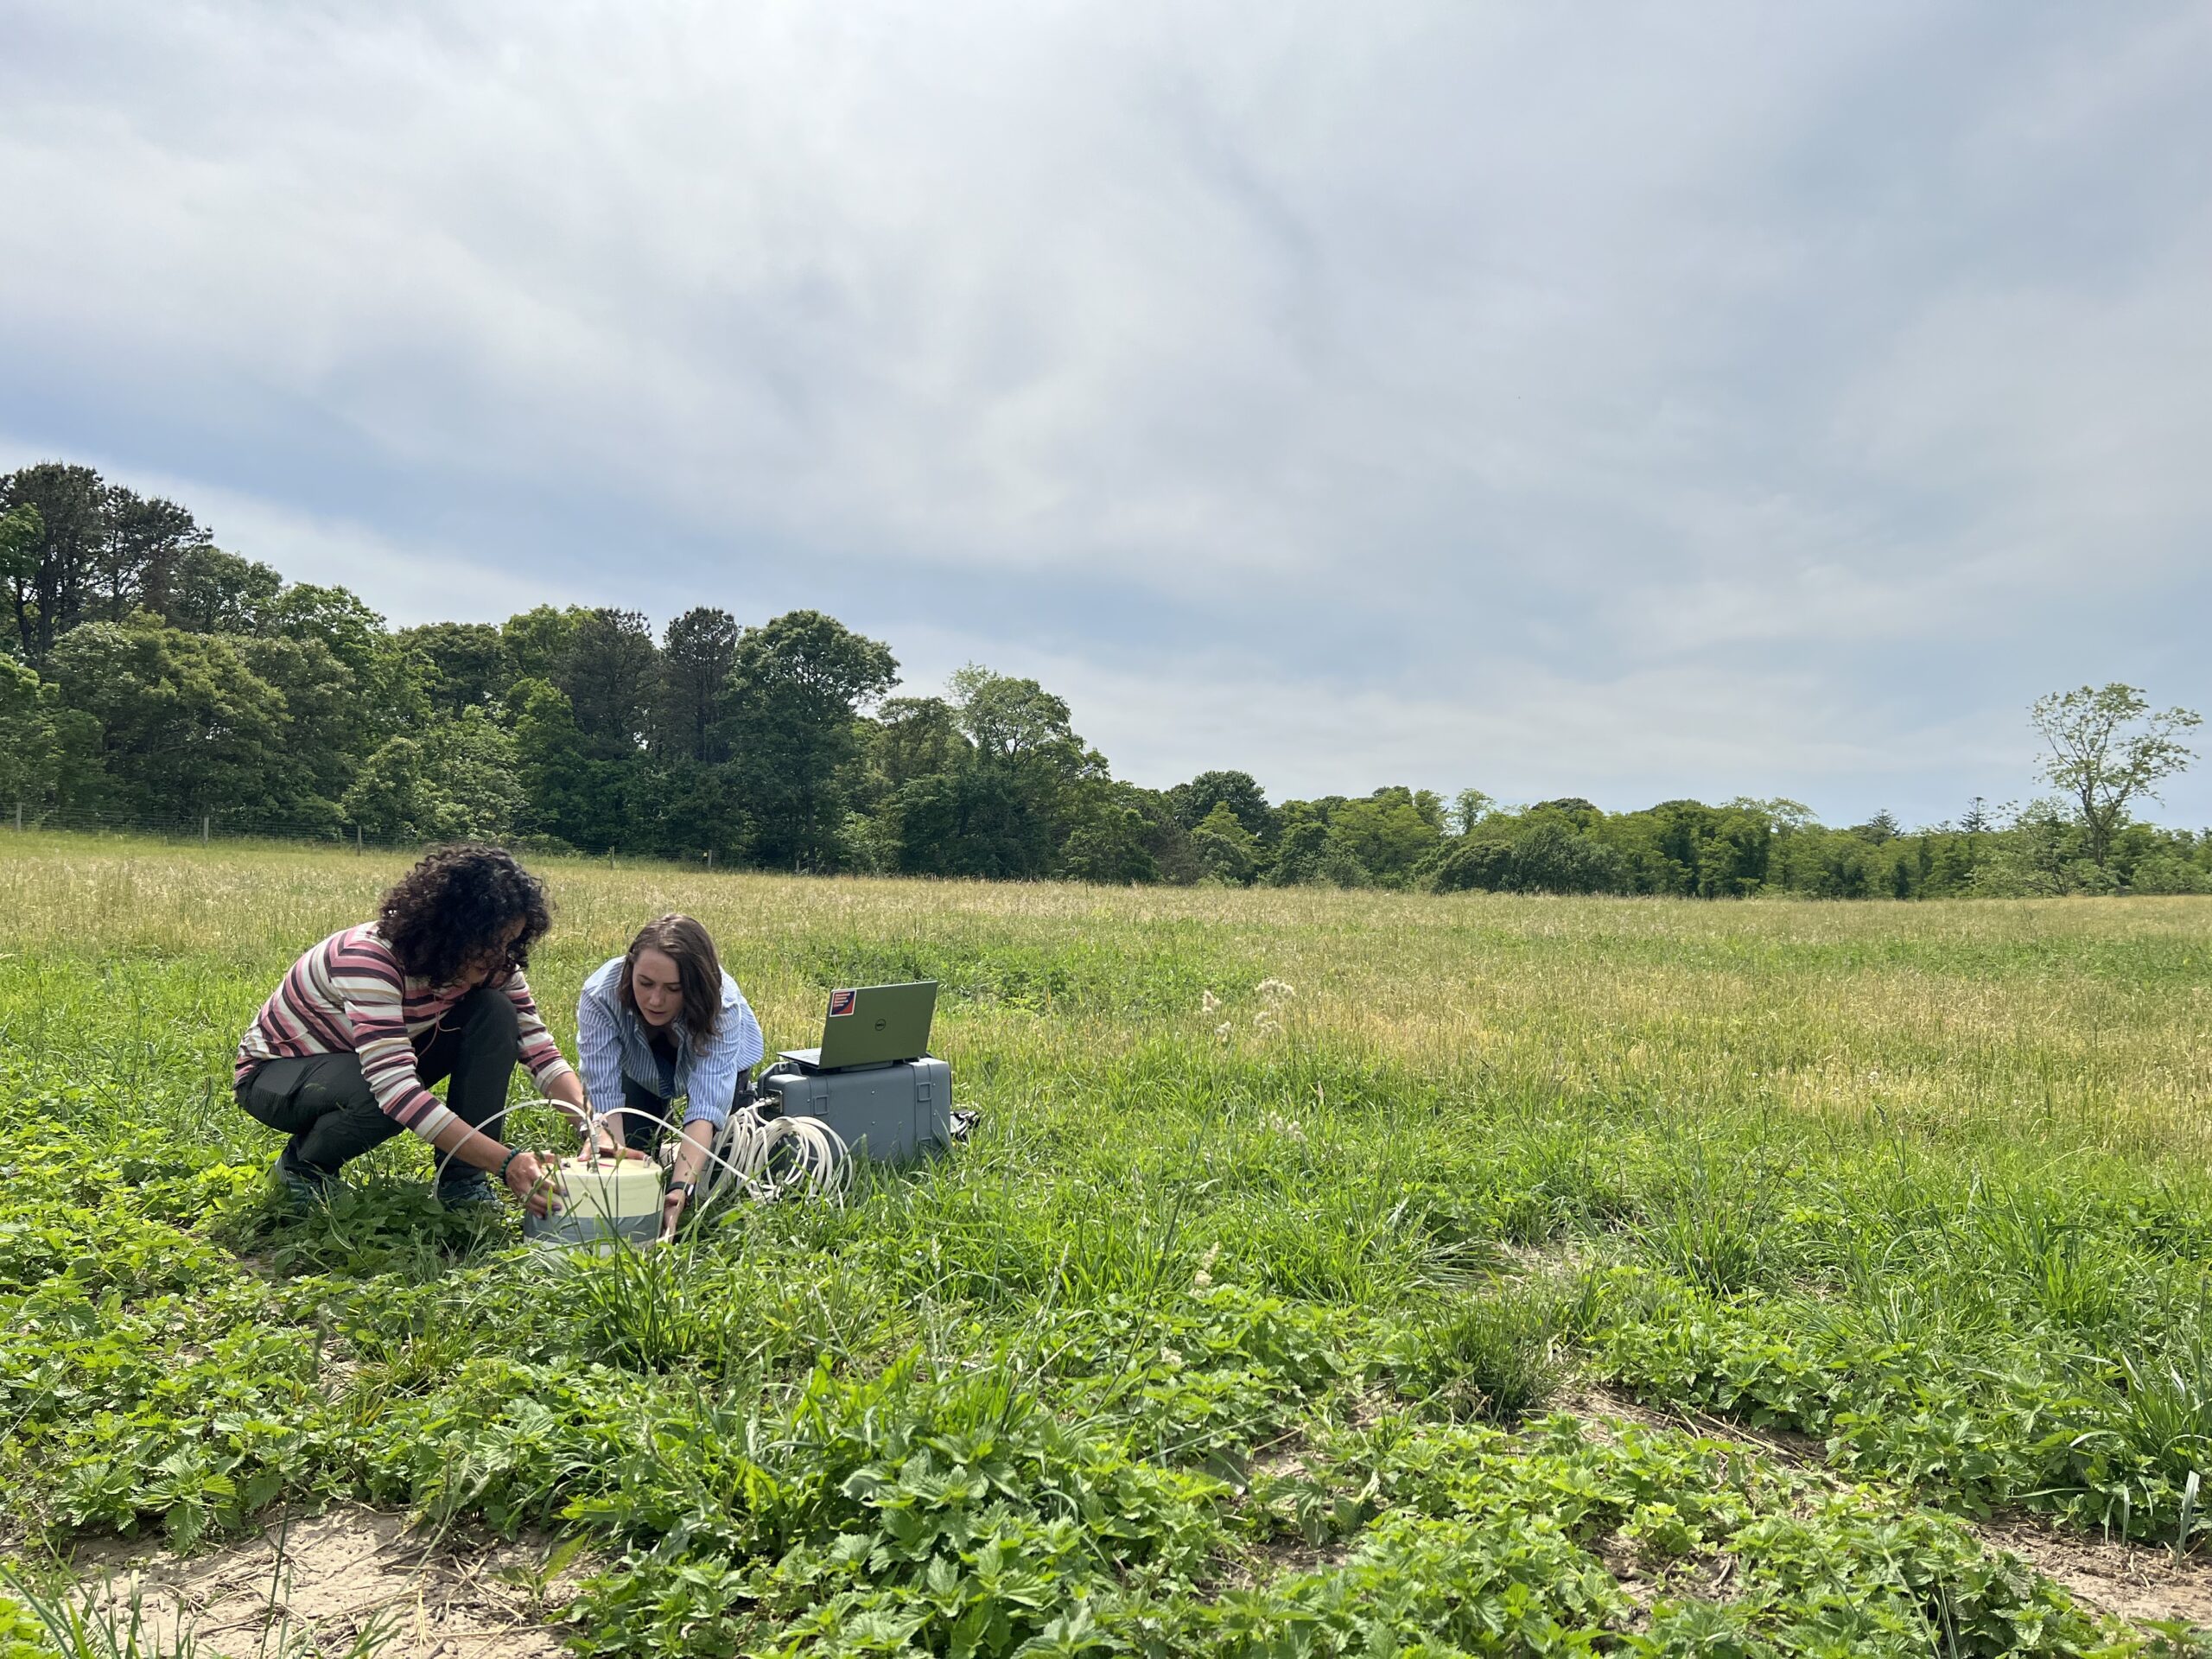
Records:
x=147, y=673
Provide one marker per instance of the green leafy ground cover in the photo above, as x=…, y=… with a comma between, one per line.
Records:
x=1246, y=1325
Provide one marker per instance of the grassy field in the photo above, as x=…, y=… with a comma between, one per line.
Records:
x=1330, y=1273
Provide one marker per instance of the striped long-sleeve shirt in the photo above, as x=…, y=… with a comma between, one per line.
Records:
x=349, y=995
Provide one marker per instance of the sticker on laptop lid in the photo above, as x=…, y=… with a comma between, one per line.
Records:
x=841, y=1003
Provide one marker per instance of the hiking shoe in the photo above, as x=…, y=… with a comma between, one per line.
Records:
x=473, y=1187
x=305, y=1186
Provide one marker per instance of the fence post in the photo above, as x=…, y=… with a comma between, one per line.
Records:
x=710, y=851
x=19, y=816
x=357, y=841
x=203, y=830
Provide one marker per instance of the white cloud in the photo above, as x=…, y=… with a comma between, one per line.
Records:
x=1739, y=387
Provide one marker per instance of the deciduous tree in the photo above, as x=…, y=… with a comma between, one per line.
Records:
x=974, y=821
x=2108, y=749
x=916, y=737
x=458, y=781
x=796, y=686
x=26, y=735
x=461, y=665
x=1111, y=840
x=186, y=726
x=1389, y=833
x=390, y=695
x=1228, y=852
x=210, y=591
x=1238, y=791
x=567, y=793
x=327, y=728
x=1469, y=808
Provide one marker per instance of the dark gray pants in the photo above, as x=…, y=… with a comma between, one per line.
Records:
x=640, y=1132
x=324, y=1104
x=642, y=1107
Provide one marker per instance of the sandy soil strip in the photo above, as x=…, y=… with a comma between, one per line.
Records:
x=325, y=1579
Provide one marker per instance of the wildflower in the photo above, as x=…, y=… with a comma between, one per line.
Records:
x=1264, y=1019
x=1204, y=1275
x=1209, y=1002
x=1275, y=987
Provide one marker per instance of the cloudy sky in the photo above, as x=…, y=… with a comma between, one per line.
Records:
x=1634, y=403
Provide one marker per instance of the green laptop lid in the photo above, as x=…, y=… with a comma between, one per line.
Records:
x=874, y=1025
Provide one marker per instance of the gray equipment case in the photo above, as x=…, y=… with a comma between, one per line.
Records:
x=894, y=1114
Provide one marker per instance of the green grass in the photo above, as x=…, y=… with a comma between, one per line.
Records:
x=1243, y=1325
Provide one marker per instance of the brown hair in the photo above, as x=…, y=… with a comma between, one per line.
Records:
x=698, y=970
x=457, y=904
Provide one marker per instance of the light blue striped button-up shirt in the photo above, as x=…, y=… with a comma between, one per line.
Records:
x=613, y=1043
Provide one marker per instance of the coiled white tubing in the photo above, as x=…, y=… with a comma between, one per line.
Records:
x=815, y=1161
x=819, y=1165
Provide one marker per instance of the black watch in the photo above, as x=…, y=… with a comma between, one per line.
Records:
x=687, y=1188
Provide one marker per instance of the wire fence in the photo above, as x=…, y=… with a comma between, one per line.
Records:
x=206, y=829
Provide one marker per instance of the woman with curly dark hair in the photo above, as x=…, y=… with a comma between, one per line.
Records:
x=340, y=1055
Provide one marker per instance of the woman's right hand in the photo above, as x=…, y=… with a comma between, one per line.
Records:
x=531, y=1181
x=603, y=1148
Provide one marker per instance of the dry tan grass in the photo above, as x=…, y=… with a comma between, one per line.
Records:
x=2083, y=1019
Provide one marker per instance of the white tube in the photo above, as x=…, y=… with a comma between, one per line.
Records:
x=821, y=1162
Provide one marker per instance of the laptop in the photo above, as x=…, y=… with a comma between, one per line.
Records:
x=874, y=1025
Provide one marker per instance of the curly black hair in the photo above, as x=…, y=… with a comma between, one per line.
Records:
x=456, y=906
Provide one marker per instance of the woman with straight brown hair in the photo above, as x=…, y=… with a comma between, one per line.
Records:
x=660, y=1023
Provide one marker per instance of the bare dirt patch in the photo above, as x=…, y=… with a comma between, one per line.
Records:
x=1287, y=1556
x=1798, y=1452
x=2136, y=1582
x=326, y=1578
x=1704, y=1577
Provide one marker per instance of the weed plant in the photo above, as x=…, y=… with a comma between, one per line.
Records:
x=1243, y=1325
